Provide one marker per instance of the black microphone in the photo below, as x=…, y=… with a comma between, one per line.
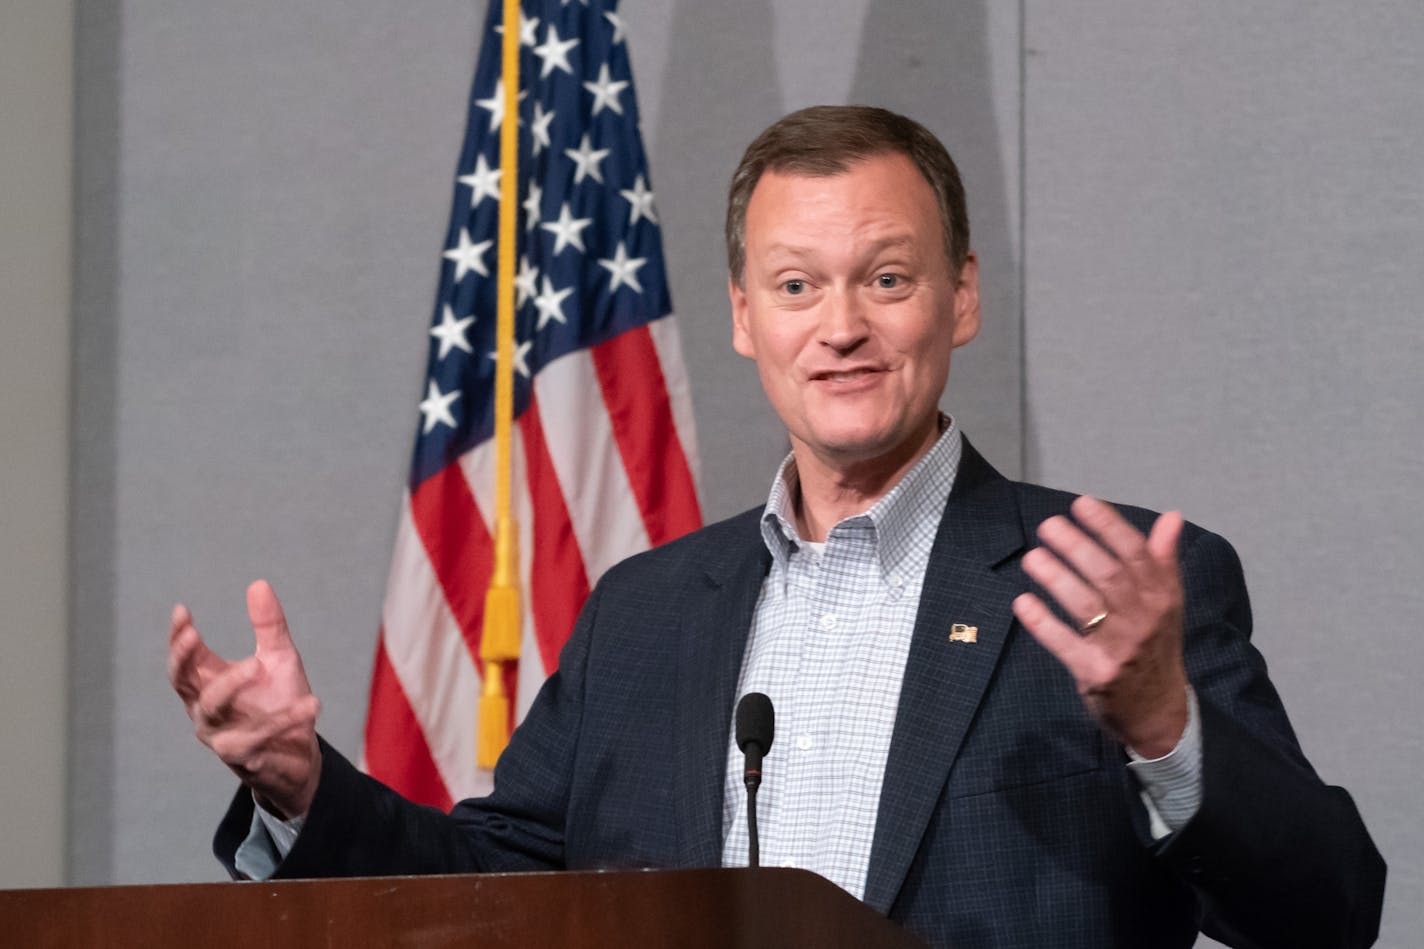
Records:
x=756, y=724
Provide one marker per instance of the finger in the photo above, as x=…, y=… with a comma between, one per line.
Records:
x=247, y=747
x=1053, y=634
x=183, y=647
x=298, y=716
x=269, y=623
x=304, y=711
x=181, y=617
x=191, y=664
x=217, y=698
x=1080, y=600
x=1083, y=554
x=1162, y=541
x=1114, y=532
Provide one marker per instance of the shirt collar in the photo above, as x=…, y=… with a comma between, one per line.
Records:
x=904, y=520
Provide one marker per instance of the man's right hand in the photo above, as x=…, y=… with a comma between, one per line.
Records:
x=259, y=714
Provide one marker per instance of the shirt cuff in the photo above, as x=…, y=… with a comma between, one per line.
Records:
x=1172, y=784
x=268, y=841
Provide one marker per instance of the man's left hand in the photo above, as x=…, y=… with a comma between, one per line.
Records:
x=1125, y=592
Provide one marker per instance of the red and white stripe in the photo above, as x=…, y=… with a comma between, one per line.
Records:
x=604, y=466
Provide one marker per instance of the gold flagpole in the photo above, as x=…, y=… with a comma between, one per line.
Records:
x=499, y=643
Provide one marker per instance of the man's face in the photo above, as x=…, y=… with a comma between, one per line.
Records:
x=849, y=308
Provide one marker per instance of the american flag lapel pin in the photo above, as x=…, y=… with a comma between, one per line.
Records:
x=959, y=633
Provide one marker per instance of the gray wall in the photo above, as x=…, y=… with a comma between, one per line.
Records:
x=36, y=105
x=1225, y=221
x=1198, y=230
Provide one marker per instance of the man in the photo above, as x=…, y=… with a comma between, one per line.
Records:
x=1101, y=763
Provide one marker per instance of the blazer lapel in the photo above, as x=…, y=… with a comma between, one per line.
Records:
x=717, y=617
x=945, y=680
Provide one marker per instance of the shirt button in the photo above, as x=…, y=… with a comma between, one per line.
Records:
x=788, y=863
x=895, y=580
x=804, y=742
x=828, y=622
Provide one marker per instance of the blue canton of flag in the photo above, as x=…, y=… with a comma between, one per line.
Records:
x=590, y=255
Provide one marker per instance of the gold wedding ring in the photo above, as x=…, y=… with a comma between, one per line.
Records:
x=1095, y=622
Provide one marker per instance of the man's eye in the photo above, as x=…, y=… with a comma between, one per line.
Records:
x=888, y=281
x=794, y=287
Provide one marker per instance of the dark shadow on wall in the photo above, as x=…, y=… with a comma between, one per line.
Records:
x=719, y=90
x=93, y=454
x=931, y=60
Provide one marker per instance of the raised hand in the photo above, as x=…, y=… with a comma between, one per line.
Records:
x=1125, y=592
x=258, y=714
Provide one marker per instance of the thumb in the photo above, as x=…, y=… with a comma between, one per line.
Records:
x=269, y=623
x=1162, y=541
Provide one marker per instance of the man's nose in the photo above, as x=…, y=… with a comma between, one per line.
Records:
x=843, y=319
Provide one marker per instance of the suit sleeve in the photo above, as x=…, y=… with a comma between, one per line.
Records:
x=1276, y=856
x=359, y=827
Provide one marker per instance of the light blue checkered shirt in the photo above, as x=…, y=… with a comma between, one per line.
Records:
x=828, y=644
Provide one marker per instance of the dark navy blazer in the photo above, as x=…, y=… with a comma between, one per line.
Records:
x=1007, y=817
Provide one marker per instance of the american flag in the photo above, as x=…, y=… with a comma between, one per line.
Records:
x=604, y=454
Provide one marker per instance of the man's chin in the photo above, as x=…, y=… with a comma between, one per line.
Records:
x=846, y=449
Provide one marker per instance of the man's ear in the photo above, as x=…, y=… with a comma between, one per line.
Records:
x=741, y=331
x=966, y=302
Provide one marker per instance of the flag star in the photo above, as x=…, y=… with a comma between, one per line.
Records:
x=527, y=26
x=587, y=158
x=551, y=304
x=531, y=205
x=567, y=229
x=436, y=408
x=540, y=127
x=617, y=22
x=495, y=104
x=555, y=53
x=524, y=282
x=521, y=357
x=468, y=256
x=623, y=269
x=641, y=200
x=484, y=182
x=605, y=91
x=451, y=332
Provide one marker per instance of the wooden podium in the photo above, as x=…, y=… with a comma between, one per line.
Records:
x=685, y=909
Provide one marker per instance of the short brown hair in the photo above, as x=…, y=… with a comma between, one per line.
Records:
x=825, y=140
